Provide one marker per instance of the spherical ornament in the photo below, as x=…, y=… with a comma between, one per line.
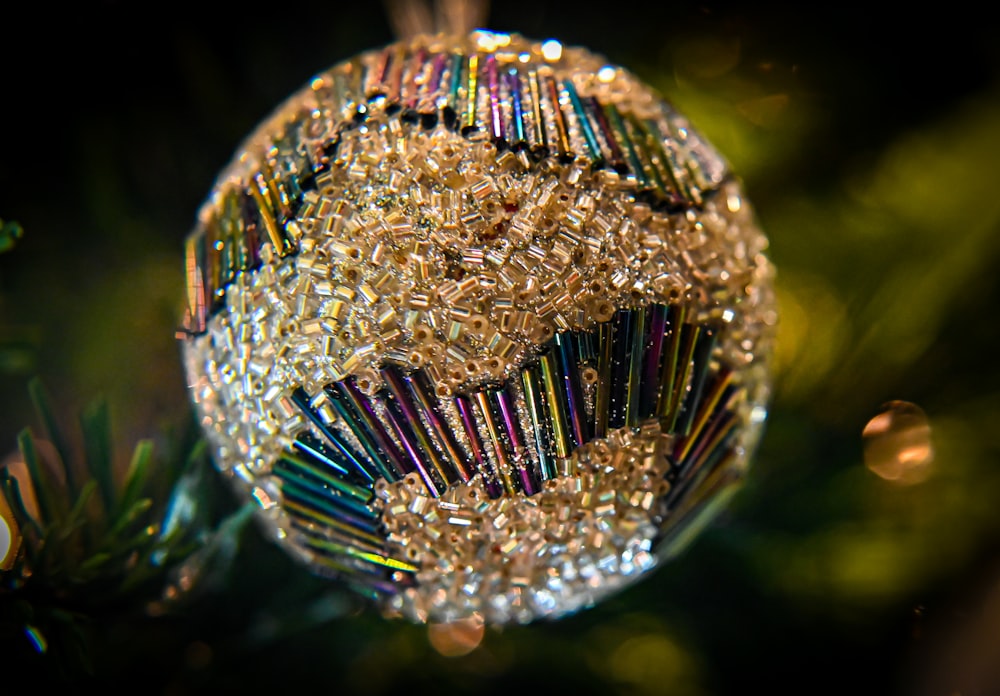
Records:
x=481, y=324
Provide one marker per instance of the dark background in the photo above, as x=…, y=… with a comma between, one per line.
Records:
x=869, y=142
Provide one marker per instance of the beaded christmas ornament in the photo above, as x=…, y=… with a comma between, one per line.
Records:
x=481, y=324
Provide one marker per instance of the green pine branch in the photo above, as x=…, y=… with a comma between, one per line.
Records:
x=95, y=544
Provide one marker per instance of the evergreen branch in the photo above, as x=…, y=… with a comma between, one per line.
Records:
x=95, y=421
x=81, y=559
x=136, y=477
x=41, y=401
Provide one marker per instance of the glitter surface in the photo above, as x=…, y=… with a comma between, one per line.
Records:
x=483, y=322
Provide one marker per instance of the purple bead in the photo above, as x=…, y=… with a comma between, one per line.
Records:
x=412, y=451
x=493, y=83
x=465, y=413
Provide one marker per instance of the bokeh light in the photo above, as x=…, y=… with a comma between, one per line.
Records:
x=897, y=443
x=9, y=534
x=458, y=637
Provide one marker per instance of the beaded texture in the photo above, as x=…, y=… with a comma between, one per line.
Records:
x=481, y=324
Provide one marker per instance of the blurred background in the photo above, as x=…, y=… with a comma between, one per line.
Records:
x=862, y=554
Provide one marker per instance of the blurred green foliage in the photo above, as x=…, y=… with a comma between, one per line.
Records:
x=868, y=142
x=85, y=545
